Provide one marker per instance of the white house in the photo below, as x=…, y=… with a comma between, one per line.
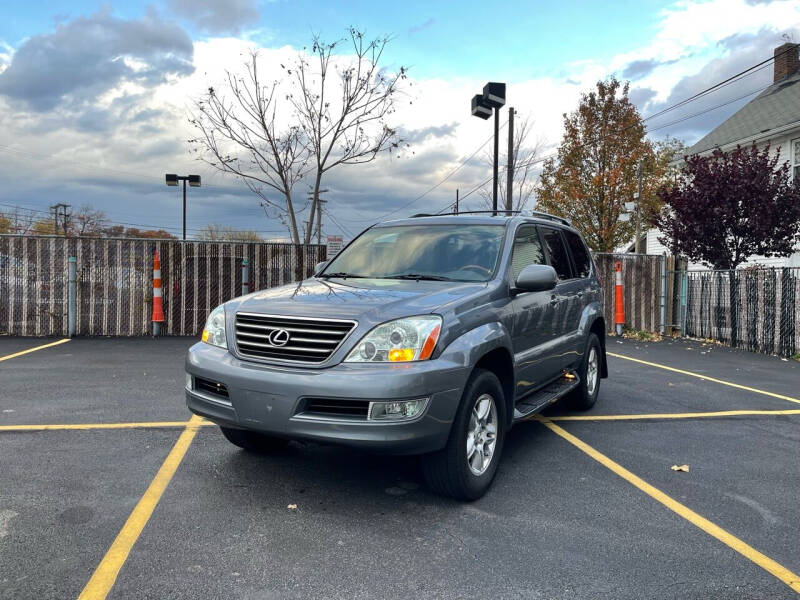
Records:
x=771, y=117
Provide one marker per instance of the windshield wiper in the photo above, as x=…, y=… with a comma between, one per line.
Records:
x=341, y=275
x=419, y=277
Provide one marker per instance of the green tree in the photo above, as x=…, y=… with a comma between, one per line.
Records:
x=595, y=170
x=6, y=225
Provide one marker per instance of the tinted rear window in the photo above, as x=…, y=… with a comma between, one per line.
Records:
x=580, y=255
x=559, y=259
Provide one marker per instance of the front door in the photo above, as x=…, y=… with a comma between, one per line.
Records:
x=533, y=330
x=565, y=297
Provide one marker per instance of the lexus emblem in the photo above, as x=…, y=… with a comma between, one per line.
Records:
x=278, y=337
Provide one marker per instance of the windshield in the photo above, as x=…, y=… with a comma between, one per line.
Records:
x=439, y=252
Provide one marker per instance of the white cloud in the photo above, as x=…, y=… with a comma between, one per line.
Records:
x=116, y=148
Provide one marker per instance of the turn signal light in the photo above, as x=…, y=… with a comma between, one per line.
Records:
x=401, y=354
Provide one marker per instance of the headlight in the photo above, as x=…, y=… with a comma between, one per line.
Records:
x=214, y=331
x=403, y=340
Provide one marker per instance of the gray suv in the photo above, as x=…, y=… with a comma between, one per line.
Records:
x=429, y=335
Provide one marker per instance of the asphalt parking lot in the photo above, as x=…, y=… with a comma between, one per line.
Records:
x=151, y=505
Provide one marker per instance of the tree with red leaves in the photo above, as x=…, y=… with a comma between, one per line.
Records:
x=728, y=206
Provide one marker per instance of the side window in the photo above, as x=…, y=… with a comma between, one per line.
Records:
x=527, y=250
x=580, y=255
x=559, y=259
x=796, y=163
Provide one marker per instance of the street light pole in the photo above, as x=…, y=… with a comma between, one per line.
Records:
x=194, y=181
x=510, y=170
x=184, y=210
x=493, y=98
x=496, y=150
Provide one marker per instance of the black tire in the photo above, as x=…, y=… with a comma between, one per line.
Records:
x=582, y=398
x=447, y=471
x=253, y=441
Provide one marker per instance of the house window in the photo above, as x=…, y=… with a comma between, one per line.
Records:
x=796, y=161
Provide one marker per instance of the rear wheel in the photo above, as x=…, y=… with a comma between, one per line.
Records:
x=585, y=395
x=465, y=467
x=253, y=441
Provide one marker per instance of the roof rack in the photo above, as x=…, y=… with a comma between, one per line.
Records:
x=500, y=213
x=544, y=215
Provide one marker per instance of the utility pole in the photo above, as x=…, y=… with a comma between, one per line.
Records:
x=510, y=170
x=638, y=243
x=62, y=208
x=66, y=215
x=320, y=202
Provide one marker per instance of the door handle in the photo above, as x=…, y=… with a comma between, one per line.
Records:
x=553, y=300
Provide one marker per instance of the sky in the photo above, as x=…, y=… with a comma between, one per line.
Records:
x=95, y=97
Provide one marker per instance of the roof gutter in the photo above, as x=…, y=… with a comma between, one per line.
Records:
x=748, y=139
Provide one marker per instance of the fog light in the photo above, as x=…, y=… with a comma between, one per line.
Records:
x=396, y=410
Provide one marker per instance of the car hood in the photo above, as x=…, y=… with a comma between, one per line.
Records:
x=375, y=300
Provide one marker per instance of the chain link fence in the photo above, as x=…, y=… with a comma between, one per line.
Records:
x=754, y=309
x=115, y=281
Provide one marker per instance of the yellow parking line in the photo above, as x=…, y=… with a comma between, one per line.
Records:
x=706, y=377
x=106, y=572
x=72, y=426
x=692, y=415
x=730, y=540
x=29, y=350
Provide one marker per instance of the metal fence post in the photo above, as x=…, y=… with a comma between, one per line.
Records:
x=72, y=295
x=684, y=295
x=245, y=276
x=662, y=327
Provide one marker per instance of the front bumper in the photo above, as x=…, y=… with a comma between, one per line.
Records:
x=267, y=398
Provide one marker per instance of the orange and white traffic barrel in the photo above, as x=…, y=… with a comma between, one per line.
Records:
x=619, y=299
x=158, y=301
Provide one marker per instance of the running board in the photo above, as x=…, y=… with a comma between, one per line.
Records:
x=530, y=405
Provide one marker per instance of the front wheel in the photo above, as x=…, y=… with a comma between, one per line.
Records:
x=253, y=441
x=465, y=467
x=585, y=395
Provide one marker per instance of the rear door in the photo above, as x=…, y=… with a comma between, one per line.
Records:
x=532, y=334
x=565, y=298
x=580, y=291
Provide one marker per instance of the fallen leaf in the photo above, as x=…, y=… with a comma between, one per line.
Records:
x=684, y=468
x=294, y=506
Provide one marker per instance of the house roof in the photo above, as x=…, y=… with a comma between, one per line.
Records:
x=776, y=106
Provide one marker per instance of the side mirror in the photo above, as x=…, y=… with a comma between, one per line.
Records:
x=536, y=278
x=319, y=266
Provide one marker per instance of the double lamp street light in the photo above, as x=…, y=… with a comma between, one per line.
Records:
x=194, y=181
x=492, y=99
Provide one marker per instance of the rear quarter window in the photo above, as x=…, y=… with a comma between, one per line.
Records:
x=580, y=254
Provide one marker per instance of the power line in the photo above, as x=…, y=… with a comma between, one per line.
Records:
x=429, y=190
x=111, y=223
x=749, y=71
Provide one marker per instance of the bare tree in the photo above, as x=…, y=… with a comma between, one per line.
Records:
x=88, y=221
x=342, y=106
x=215, y=232
x=524, y=185
x=239, y=134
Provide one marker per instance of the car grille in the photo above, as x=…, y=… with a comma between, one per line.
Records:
x=332, y=407
x=309, y=340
